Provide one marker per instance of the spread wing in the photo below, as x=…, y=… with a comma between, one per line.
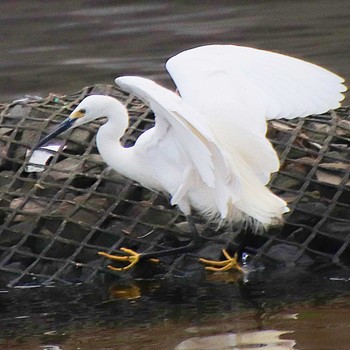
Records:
x=285, y=87
x=187, y=128
x=237, y=88
x=233, y=184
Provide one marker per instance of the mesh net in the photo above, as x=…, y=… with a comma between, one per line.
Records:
x=57, y=212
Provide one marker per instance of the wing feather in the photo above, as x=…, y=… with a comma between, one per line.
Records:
x=193, y=68
x=237, y=88
x=194, y=136
x=232, y=183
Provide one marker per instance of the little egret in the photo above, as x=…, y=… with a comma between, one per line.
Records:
x=208, y=148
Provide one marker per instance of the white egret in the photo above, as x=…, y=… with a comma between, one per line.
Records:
x=208, y=148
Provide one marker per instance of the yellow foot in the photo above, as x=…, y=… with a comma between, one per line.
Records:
x=132, y=259
x=225, y=265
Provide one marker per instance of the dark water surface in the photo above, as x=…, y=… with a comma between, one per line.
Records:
x=277, y=310
x=61, y=46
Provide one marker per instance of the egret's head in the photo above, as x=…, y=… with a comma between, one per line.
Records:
x=94, y=107
x=91, y=108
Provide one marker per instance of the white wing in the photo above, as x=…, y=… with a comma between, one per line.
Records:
x=188, y=128
x=230, y=186
x=169, y=110
x=236, y=88
x=285, y=86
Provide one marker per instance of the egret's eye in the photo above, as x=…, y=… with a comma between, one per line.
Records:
x=78, y=114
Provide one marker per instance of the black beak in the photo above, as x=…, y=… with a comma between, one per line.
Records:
x=65, y=125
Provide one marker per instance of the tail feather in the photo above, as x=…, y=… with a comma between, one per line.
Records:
x=250, y=196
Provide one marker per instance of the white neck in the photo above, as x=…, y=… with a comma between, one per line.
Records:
x=108, y=140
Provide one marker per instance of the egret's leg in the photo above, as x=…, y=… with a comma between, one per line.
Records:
x=213, y=265
x=132, y=258
x=196, y=238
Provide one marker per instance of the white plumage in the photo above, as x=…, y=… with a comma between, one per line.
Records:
x=208, y=148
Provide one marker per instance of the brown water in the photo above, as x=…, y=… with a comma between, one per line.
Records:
x=278, y=310
x=285, y=330
x=61, y=46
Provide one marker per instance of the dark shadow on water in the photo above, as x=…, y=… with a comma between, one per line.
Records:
x=30, y=311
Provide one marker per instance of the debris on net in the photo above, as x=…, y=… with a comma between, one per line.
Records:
x=60, y=206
